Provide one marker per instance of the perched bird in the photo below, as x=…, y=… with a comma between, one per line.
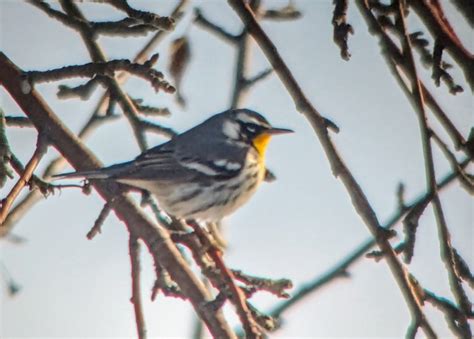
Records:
x=204, y=173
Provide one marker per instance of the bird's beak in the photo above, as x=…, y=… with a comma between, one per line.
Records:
x=275, y=131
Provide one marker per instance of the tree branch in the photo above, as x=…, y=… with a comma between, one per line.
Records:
x=95, y=120
x=339, y=169
x=340, y=270
x=136, y=299
x=155, y=237
x=433, y=17
x=444, y=235
x=40, y=150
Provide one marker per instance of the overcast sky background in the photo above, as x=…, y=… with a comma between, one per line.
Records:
x=296, y=227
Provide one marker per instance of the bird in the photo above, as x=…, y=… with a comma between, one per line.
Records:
x=204, y=173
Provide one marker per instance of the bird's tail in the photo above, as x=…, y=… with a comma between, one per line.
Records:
x=101, y=173
x=95, y=174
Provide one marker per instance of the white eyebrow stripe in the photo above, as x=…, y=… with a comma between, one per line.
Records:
x=245, y=118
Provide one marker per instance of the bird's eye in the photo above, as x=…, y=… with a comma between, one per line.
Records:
x=251, y=128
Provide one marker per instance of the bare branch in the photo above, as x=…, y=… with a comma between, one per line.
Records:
x=431, y=12
x=396, y=61
x=444, y=235
x=12, y=121
x=466, y=181
x=97, y=228
x=340, y=170
x=108, y=69
x=288, y=12
x=5, y=172
x=7, y=202
x=274, y=286
x=340, y=270
x=166, y=23
x=238, y=298
x=155, y=237
x=341, y=28
x=202, y=21
x=136, y=299
x=95, y=120
x=453, y=315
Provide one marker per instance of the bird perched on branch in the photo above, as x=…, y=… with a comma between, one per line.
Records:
x=204, y=173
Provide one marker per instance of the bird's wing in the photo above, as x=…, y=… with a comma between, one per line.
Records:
x=172, y=162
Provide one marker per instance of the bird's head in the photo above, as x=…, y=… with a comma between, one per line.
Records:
x=252, y=128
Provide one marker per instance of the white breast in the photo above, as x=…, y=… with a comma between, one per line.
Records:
x=217, y=201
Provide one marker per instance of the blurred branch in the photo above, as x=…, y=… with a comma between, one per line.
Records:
x=466, y=8
x=410, y=225
x=432, y=14
x=12, y=121
x=397, y=63
x=154, y=236
x=134, y=249
x=104, y=213
x=106, y=68
x=95, y=120
x=339, y=169
x=454, y=316
x=12, y=285
x=434, y=60
x=466, y=181
x=274, y=286
x=463, y=270
x=220, y=32
x=97, y=55
x=180, y=56
x=242, y=81
x=137, y=22
x=35, y=183
x=5, y=172
x=444, y=235
x=161, y=22
x=288, y=12
x=7, y=202
x=251, y=328
x=165, y=284
x=341, y=28
x=340, y=270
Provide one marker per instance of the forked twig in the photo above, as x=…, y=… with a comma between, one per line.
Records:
x=40, y=150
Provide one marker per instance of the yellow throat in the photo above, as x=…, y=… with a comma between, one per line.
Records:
x=261, y=142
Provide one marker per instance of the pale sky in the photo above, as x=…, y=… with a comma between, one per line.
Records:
x=297, y=227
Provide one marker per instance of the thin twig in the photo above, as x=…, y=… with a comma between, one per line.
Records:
x=202, y=21
x=5, y=153
x=340, y=170
x=340, y=270
x=444, y=235
x=251, y=328
x=396, y=61
x=341, y=28
x=18, y=121
x=465, y=180
x=105, y=68
x=40, y=150
x=155, y=237
x=136, y=299
x=162, y=22
x=431, y=12
x=97, y=228
x=95, y=120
